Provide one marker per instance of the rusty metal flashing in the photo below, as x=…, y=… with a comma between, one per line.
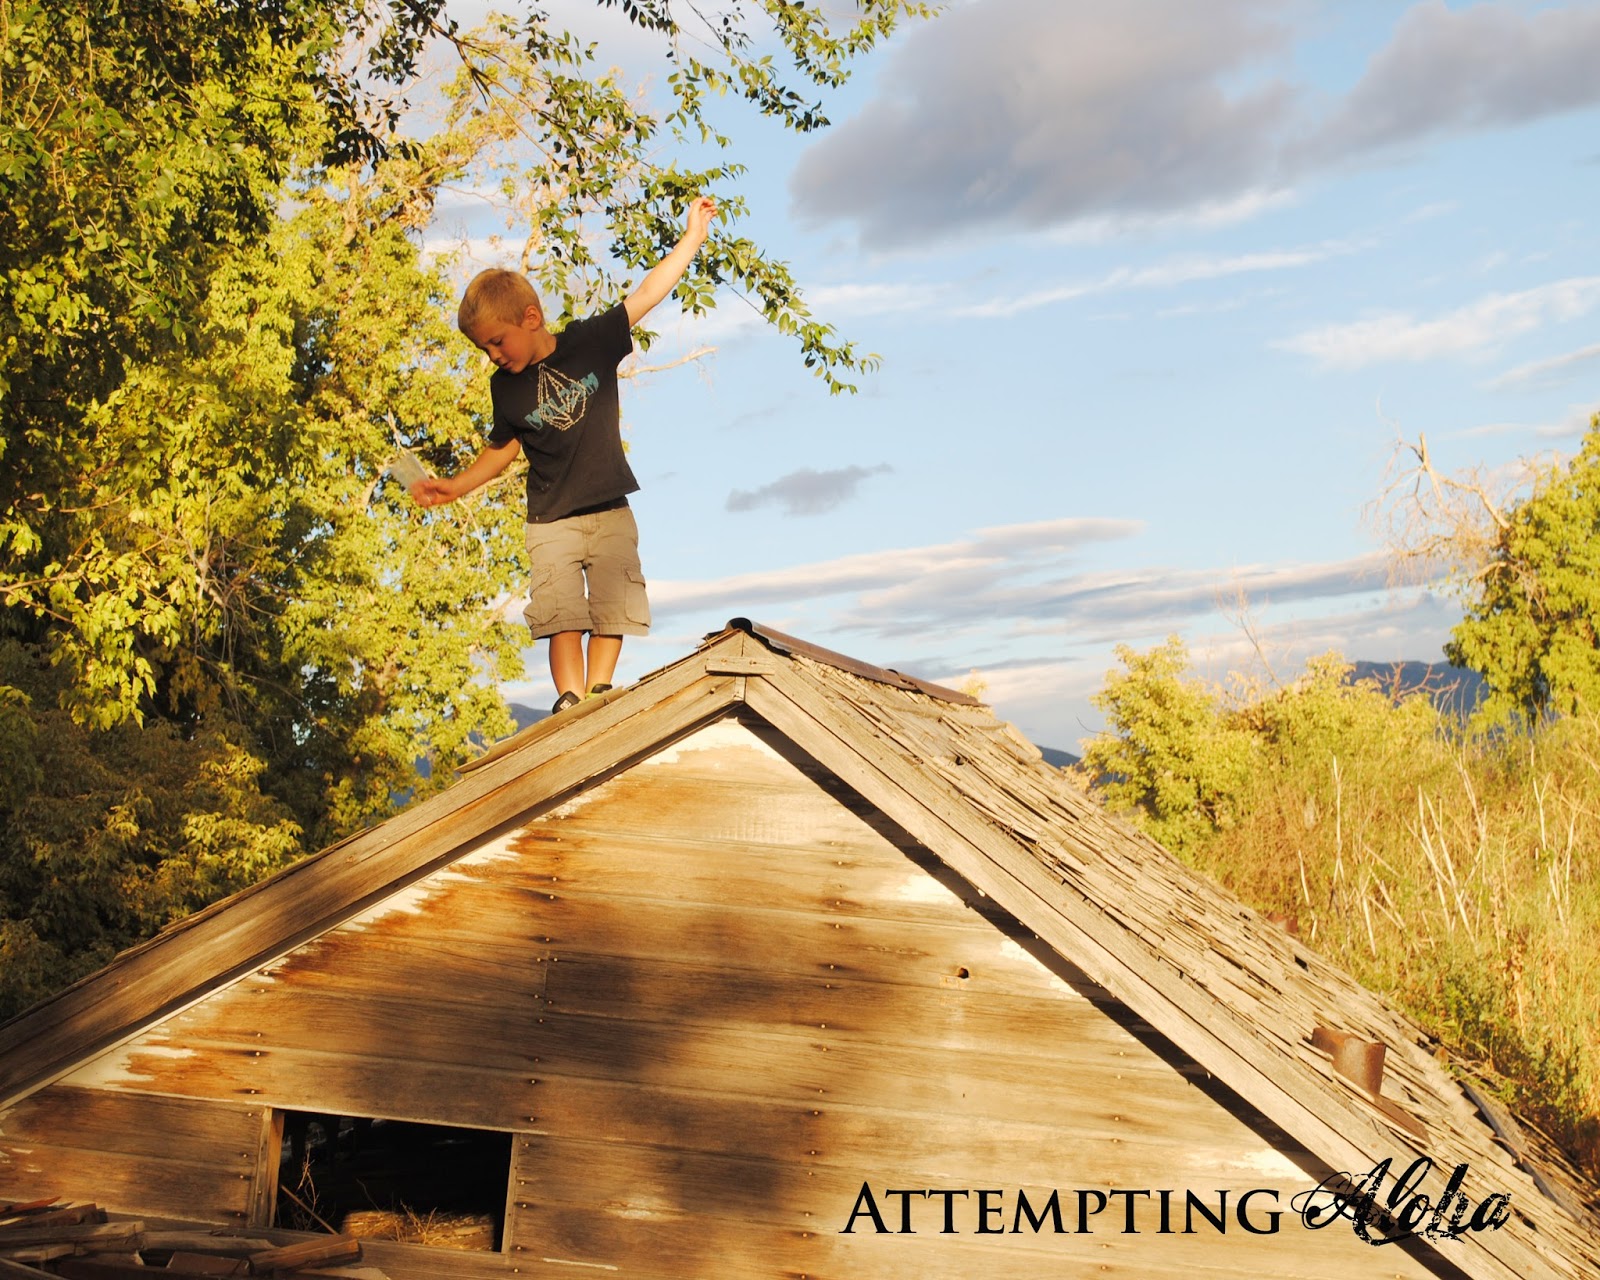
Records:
x=778, y=642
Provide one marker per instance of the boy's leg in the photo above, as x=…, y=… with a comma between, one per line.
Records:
x=557, y=609
x=618, y=603
x=566, y=662
x=603, y=654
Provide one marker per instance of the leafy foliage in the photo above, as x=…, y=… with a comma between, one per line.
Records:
x=1532, y=624
x=1455, y=873
x=106, y=835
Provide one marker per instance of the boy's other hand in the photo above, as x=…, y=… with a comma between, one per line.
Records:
x=432, y=492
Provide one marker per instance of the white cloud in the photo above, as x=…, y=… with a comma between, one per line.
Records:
x=1548, y=372
x=1179, y=271
x=1012, y=604
x=1453, y=70
x=1203, y=215
x=982, y=553
x=892, y=299
x=1108, y=113
x=1037, y=112
x=1041, y=595
x=1481, y=324
x=1048, y=697
x=1016, y=580
x=877, y=299
x=1574, y=421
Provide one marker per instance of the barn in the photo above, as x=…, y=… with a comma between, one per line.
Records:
x=774, y=963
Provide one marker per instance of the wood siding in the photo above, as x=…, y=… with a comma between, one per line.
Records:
x=143, y=1154
x=711, y=997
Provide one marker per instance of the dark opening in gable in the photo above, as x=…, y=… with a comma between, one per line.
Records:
x=427, y=1184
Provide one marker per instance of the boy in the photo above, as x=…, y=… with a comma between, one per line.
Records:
x=555, y=398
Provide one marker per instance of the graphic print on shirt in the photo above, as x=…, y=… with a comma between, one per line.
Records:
x=561, y=401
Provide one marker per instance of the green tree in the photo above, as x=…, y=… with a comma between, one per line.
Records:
x=1532, y=623
x=307, y=640
x=225, y=636
x=1171, y=754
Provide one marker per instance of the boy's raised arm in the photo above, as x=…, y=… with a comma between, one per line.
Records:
x=664, y=276
x=436, y=491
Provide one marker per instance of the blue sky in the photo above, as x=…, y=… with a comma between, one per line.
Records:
x=1158, y=286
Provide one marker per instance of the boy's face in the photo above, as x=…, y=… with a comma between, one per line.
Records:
x=512, y=344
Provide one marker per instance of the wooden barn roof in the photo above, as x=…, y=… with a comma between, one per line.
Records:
x=1233, y=991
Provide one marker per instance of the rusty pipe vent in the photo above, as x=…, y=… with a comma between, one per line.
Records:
x=1357, y=1060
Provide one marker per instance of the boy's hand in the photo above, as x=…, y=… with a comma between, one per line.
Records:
x=664, y=276
x=697, y=225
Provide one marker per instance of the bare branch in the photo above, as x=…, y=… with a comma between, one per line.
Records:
x=1438, y=526
x=638, y=370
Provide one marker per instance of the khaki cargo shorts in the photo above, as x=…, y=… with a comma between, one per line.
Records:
x=585, y=576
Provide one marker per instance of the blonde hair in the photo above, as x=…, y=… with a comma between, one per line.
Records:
x=496, y=294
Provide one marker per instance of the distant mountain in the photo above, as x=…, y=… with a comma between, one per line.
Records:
x=1454, y=690
x=524, y=715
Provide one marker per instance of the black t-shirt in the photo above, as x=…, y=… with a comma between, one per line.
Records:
x=564, y=411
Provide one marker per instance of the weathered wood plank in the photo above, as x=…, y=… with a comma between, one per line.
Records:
x=731, y=1059
x=564, y=1241
x=415, y=1262
x=818, y=1188
x=207, y=1264
x=217, y=1191
x=37, y=1255
x=634, y=1244
x=406, y=957
x=263, y=1202
x=101, y=1269
x=863, y=878
x=288, y=1257
x=218, y=1134
x=312, y=1080
x=942, y=1010
x=70, y=1215
x=600, y=1063
x=21, y=1271
x=737, y=807
x=233, y=1242
x=730, y=935
x=955, y=1124
x=97, y=1236
x=357, y=1272
x=11, y=1210
x=1116, y=1257
x=428, y=1028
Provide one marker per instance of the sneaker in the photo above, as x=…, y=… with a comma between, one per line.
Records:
x=595, y=690
x=568, y=699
